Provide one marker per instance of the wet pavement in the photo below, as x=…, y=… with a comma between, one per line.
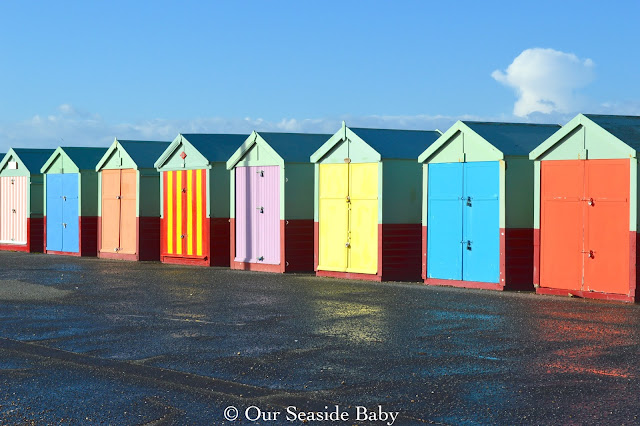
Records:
x=98, y=341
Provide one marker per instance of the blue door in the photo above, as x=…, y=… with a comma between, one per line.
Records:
x=54, y=212
x=70, y=222
x=481, y=253
x=444, y=216
x=463, y=241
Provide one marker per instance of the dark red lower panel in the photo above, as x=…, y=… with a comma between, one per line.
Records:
x=536, y=257
x=401, y=251
x=519, y=259
x=316, y=244
x=88, y=235
x=148, y=229
x=424, y=252
x=220, y=240
x=298, y=245
x=634, y=261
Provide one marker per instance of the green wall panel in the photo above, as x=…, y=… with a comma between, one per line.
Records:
x=519, y=188
x=298, y=190
x=88, y=193
x=402, y=191
x=219, y=195
x=148, y=193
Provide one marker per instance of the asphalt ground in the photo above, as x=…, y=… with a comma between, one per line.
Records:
x=108, y=342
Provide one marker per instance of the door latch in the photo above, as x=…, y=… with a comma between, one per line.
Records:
x=182, y=236
x=348, y=199
x=261, y=173
x=469, y=204
x=64, y=225
x=13, y=210
x=590, y=202
x=261, y=209
x=261, y=258
x=347, y=245
x=468, y=243
x=64, y=198
x=590, y=253
x=118, y=197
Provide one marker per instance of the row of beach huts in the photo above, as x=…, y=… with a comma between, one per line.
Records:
x=483, y=205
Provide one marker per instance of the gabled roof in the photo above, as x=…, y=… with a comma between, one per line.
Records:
x=388, y=143
x=513, y=138
x=33, y=159
x=142, y=153
x=290, y=147
x=85, y=158
x=624, y=129
x=214, y=147
x=516, y=139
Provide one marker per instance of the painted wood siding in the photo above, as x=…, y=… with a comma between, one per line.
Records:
x=258, y=214
x=13, y=209
x=119, y=221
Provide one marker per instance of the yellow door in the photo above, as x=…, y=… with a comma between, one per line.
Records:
x=333, y=220
x=363, y=218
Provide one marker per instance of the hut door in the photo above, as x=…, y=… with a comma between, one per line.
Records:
x=463, y=221
x=606, y=263
x=13, y=209
x=185, y=207
x=119, y=211
x=444, y=221
x=363, y=218
x=333, y=217
x=481, y=227
x=584, y=225
x=62, y=213
x=348, y=218
x=54, y=212
x=258, y=214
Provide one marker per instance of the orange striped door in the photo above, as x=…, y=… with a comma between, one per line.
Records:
x=607, y=226
x=185, y=205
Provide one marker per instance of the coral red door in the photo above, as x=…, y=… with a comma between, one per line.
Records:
x=561, y=224
x=607, y=226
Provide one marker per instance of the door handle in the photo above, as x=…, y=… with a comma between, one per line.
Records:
x=348, y=199
x=184, y=190
x=591, y=254
x=590, y=202
x=347, y=245
x=261, y=209
x=64, y=198
x=13, y=210
x=64, y=225
x=118, y=197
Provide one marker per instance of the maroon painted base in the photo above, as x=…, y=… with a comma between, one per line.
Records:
x=399, y=254
x=35, y=238
x=296, y=249
x=88, y=238
x=147, y=241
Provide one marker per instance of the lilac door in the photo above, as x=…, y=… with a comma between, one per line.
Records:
x=258, y=214
x=13, y=210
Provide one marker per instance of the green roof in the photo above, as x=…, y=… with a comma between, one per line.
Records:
x=33, y=159
x=215, y=147
x=84, y=158
x=397, y=144
x=144, y=153
x=294, y=147
x=513, y=138
x=624, y=127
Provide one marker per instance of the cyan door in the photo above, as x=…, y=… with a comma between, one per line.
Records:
x=444, y=226
x=481, y=253
x=62, y=213
x=463, y=221
x=70, y=217
x=54, y=212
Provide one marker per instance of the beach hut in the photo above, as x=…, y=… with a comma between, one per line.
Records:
x=586, y=209
x=21, y=224
x=129, y=201
x=477, y=220
x=272, y=202
x=195, y=199
x=71, y=201
x=367, y=204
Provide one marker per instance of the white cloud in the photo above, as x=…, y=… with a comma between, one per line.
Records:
x=546, y=81
x=69, y=126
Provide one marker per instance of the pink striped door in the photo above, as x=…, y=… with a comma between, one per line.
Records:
x=269, y=214
x=13, y=210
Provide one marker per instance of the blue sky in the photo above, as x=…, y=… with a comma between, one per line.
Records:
x=82, y=73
